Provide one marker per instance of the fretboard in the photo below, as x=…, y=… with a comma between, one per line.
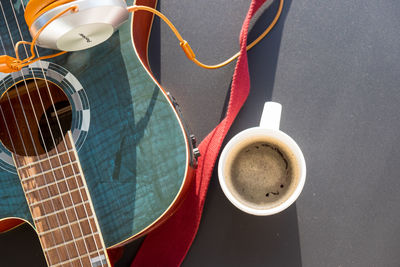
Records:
x=61, y=207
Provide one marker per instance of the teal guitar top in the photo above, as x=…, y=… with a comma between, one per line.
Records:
x=133, y=150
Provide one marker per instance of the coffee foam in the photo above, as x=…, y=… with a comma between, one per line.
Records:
x=261, y=172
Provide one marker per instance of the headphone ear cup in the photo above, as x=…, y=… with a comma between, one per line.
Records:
x=72, y=25
x=35, y=8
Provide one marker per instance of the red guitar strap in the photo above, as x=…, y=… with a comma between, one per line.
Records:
x=168, y=244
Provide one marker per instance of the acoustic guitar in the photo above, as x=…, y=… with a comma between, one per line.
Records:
x=93, y=151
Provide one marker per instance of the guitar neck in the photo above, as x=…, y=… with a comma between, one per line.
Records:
x=61, y=207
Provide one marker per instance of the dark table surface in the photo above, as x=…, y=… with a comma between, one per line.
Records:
x=335, y=68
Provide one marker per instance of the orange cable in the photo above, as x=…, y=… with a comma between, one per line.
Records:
x=188, y=50
x=17, y=64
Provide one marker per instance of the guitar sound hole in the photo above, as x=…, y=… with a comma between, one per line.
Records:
x=35, y=115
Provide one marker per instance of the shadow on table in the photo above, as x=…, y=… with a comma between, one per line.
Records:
x=227, y=236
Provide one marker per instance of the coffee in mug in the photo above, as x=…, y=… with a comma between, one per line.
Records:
x=262, y=170
x=262, y=173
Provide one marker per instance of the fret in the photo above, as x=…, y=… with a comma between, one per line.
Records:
x=67, y=169
x=52, y=154
x=62, y=255
x=36, y=199
x=64, y=200
x=72, y=225
x=57, y=237
x=75, y=248
x=51, y=225
x=60, y=150
x=69, y=200
x=55, y=159
x=58, y=219
x=91, y=259
x=70, y=242
x=60, y=213
x=52, y=186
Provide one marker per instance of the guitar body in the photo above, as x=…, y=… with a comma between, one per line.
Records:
x=133, y=148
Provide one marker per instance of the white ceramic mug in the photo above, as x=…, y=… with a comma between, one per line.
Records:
x=271, y=139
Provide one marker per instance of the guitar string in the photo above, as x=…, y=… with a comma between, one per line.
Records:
x=18, y=128
x=41, y=134
x=12, y=111
x=75, y=175
x=40, y=164
x=55, y=145
x=69, y=191
x=23, y=144
x=64, y=141
x=9, y=135
x=41, y=167
x=47, y=221
x=103, y=249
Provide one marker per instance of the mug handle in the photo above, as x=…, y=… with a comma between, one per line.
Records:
x=271, y=116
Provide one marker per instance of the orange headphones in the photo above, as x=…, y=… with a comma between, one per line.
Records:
x=71, y=25
x=35, y=8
